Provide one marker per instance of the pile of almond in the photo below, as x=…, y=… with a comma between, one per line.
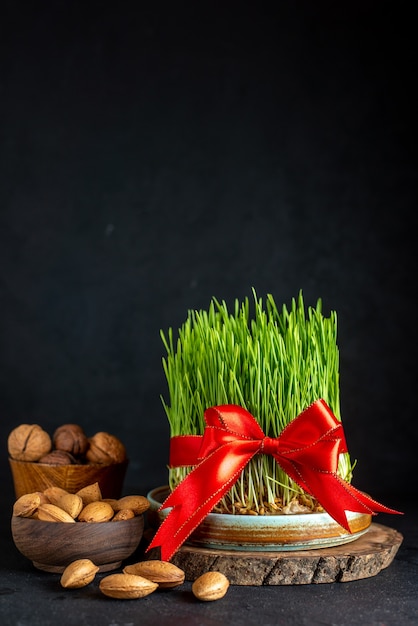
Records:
x=141, y=579
x=86, y=505
x=136, y=580
x=69, y=444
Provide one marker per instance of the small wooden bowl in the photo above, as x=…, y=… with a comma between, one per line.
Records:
x=30, y=477
x=51, y=546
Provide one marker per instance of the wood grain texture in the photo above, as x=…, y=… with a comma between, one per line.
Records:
x=51, y=546
x=362, y=558
x=30, y=477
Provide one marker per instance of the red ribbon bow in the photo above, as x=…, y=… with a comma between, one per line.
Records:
x=307, y=450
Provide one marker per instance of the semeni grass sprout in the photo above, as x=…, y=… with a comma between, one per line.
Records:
x=274, y=363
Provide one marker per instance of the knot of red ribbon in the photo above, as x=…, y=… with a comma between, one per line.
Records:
x=307, y=450
x=268, y=445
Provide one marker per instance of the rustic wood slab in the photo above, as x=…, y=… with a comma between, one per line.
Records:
x=362, y=558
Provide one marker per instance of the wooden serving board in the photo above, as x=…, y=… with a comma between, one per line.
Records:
x=362, y=558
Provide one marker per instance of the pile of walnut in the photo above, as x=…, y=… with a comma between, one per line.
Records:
x=86, y=505
x=68, y=445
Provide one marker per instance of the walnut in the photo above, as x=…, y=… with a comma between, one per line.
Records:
x=70, y=438
x=28, y=442
x=105, y=449
x=58, y=457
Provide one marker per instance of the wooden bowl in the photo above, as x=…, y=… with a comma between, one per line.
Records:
x=30, y=477
x=51, y=546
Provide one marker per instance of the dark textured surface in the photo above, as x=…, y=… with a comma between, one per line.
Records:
x=154, y=157
x=28, y=596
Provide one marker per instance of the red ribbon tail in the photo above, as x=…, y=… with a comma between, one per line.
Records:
x=337, y=497
x=165, y=538
x=195, y=497
x=307, y=450
x=176, y=527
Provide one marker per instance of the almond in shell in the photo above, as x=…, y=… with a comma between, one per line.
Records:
x=71, y=503
x=79, y=573
x=96, y=512
x=138, y=504
x=26, y=505
x=210, y=586
x=54, y=494
x=166, y=574
x=112, y=501
x=90, y=493
x=53, y=513
x=126, y=586
x=123, y=515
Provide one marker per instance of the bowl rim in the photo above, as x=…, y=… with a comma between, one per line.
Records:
x=59, y=543
x=57, y=465
x=254, y=520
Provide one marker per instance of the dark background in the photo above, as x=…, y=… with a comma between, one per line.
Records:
x=155, y=155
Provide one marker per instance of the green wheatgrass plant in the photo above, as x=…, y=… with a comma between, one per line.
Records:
x=274, y=363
